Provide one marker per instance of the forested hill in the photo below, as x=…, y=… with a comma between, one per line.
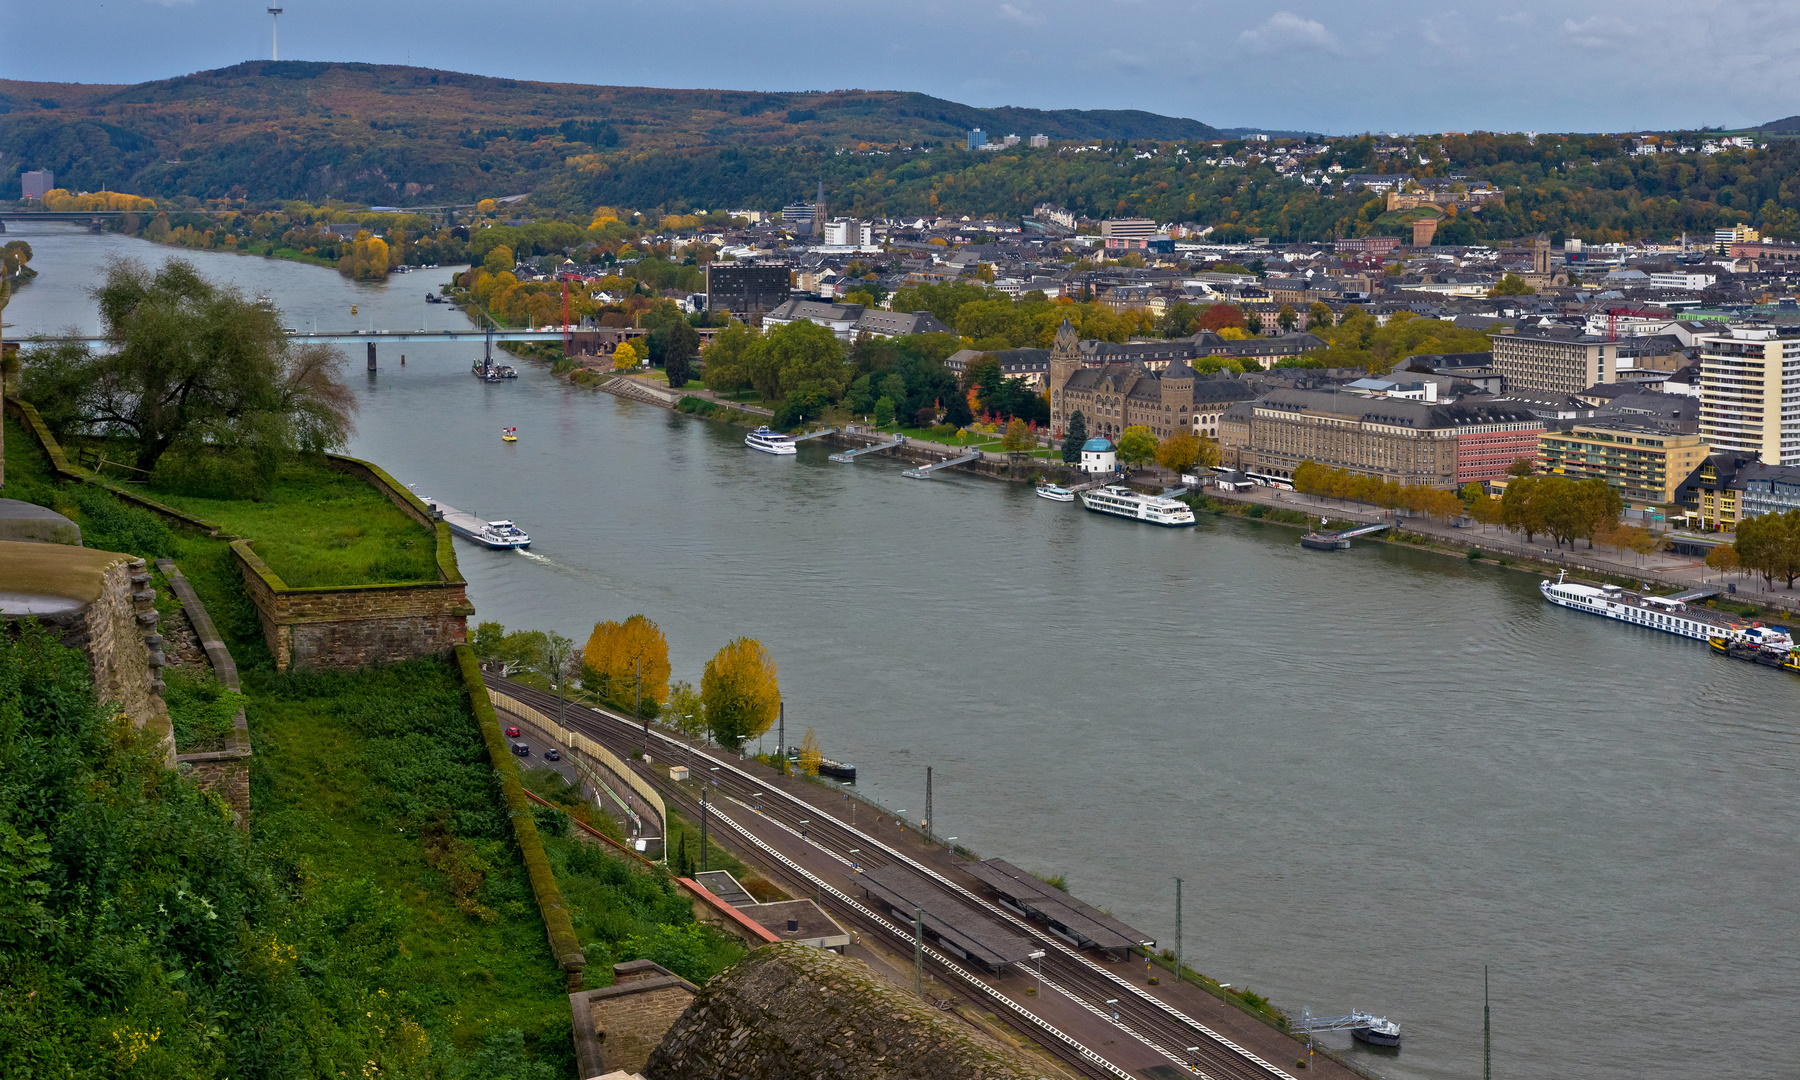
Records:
x=386, y=134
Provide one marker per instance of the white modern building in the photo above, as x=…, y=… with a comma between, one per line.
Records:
x=1750, y=393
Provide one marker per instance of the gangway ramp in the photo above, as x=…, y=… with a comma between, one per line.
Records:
x=962, y=931
x=924, y=472
x=1086, y=927
x=814, y=434
x=848, y=456
x=1362, y=530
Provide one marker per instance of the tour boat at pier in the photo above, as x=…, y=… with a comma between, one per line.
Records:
x=770, y=442
x=1055, y=493
x=1663, y=613
x=1120, y=501
x=1376, y=1031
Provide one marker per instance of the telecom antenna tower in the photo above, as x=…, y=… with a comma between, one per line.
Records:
x=274, y=33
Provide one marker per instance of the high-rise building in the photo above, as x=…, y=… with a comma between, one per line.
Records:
x=848, y=232
x=1562, y=364
x=35, y=183
x=1750, y=393
x=1737, y=234
x=1039, y=142
x=977, y=139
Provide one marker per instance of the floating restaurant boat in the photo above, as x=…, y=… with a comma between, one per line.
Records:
x=770, y=441
x=1055, y=493
x=1663, y=613
x=1120, y=501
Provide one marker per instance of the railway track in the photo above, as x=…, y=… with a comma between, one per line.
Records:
x=1165, y=1030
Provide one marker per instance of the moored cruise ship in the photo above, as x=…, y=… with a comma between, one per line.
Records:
x=1660, y=613
x=770, y=442
x=1120, y=501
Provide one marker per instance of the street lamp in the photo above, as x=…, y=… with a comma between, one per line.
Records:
x=1039, y=957
x=1114, y=1002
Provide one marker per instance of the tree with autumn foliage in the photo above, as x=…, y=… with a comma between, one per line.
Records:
x=617, y=654
x=624, y=357
x=367, y=259
x=740, y=692
x=1183, y=450
x=1220, y=316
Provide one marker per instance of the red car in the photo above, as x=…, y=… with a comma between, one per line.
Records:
x=512, y=732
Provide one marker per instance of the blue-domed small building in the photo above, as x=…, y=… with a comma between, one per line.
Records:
x=1098, y=456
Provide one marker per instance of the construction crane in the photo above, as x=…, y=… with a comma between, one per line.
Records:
x=1613, y=315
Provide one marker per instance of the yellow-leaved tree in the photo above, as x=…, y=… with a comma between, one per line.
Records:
x=367, y=259
x=810, y=757
x=740, y=692
x=624, y=357
x=615, y=657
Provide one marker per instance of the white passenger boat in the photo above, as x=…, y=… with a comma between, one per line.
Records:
x=1120, y=501
x=770, y=442
x=1375, y=1030
x=1662, y=613
x=1055, y=493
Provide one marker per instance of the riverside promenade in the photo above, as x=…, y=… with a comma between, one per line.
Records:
x=1659, y=568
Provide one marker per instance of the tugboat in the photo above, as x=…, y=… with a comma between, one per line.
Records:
x=1769, y=646
x=1376, y=1030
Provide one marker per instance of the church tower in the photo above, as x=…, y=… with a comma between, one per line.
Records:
x=1065, y=361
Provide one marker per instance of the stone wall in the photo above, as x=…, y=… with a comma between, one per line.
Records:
x=616, y=1028
x=791, y=1011
x=353, y=626
x=225, y=773
x=99, y=602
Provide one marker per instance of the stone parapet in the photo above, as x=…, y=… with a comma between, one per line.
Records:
x=225, y=773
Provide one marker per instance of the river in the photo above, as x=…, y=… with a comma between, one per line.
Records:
x=1376, y=771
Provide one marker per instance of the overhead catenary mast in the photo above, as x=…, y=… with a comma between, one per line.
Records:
x=274, y=34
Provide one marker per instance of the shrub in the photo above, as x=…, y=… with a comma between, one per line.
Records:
x=109, y=524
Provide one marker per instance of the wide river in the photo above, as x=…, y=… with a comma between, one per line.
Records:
x=1376, y=771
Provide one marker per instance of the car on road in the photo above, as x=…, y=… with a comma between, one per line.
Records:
x=552, y=754
x=512, y=732
x=521, y=749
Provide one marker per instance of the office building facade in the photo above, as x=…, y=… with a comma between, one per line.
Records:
x=743, y=289
x=1563, y=365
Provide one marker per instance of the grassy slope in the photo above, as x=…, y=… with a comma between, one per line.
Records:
x=321, y=527
x=348, y=771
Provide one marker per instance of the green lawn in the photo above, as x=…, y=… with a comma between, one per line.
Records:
x=323, y=528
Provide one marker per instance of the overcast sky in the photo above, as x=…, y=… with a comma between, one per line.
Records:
x=1339, y=66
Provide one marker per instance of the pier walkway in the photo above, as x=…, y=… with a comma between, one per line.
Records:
x=849, y=456
x=815, y=434
x=923, y=472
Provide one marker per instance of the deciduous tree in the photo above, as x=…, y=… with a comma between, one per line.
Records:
x=625, y=357
x=194, y=365
x=1137, y=444
x=740, y=692
x=1017, y=438
x=1723, y=558
x=685, y=712
x=1179, y=452
x=610, y=664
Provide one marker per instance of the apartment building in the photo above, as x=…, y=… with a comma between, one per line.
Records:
x=1564, y=364
x=1133, y=233
x=1646, y=465
x=1750, y=393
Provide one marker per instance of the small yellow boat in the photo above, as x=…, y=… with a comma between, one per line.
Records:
x=510, y=434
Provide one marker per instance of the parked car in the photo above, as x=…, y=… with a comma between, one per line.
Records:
x=521, y=749
x=512, y=732
x=552, y=754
